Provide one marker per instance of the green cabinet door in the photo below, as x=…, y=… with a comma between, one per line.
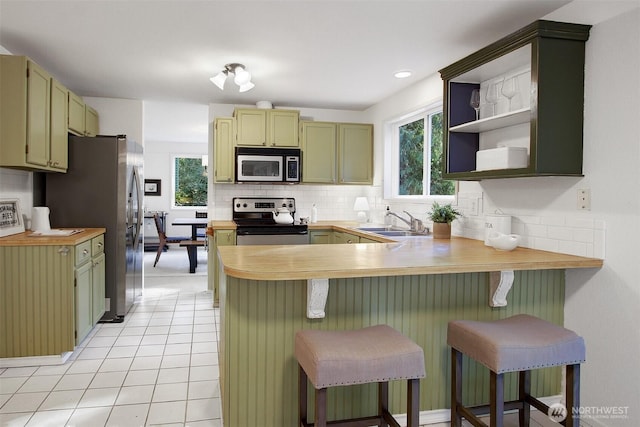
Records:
x=320, y=237
x=97, y=287
x=220, y=238
x=38, y=110
x=355, y=153
x=319, y=145
x=282, y=128
x=76, y=114
x=223, y=150
x=83, y=301
x=251, y=127
x=59, y=152
x=91, y=121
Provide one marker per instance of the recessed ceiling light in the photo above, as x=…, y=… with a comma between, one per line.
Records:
x=402, y=74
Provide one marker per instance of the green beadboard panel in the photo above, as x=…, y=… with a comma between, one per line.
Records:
x=36, y=286
x=260, y=318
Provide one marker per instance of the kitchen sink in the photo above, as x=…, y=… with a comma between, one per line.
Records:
x=384, y=231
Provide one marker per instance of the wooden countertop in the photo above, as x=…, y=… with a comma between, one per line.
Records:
x=408, y=257
x=25, y=239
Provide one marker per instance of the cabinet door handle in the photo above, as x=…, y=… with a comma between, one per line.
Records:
x=99, y=244
x=85, y=252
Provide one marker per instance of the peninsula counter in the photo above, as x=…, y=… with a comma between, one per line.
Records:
x=416, y=286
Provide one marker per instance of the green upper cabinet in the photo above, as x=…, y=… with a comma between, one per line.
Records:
x=30, y=100
x=355, y=153
x=530, y=118
x=319, y=145
x=91, y=121
x=266, y=128
x=59, y=153
x=83, y=120
x=76, y=114
x=223, y=150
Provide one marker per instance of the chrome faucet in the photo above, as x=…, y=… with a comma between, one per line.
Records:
x=400, y=218
x=415, y=225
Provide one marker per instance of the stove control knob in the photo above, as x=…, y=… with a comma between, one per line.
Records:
x=244, y=205
x=237, y=205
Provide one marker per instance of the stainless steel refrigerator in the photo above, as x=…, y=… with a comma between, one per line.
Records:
x=102, y=188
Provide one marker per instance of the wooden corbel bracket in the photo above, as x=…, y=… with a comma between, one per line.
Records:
x=500, y=283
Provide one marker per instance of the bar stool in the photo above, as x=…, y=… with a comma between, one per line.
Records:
x=373, y=354
x=516, y=344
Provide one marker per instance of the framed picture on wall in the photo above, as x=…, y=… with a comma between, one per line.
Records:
x=11, y=221
x=152, y=187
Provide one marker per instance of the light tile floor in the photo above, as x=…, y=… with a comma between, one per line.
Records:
x=158, y=367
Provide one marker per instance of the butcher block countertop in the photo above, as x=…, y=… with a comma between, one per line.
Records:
x=402, y=258
x=25, y=238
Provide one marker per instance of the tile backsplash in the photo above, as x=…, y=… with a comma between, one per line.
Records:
x=578, y=234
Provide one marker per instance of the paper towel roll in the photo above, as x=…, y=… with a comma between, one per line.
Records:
x=499, y=223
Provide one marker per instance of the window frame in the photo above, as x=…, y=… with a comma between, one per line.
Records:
x=391, y=184
x=173, y=182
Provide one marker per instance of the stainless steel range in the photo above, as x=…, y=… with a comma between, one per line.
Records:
x=255, y=223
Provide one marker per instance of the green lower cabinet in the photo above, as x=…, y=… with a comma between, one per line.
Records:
x=83, y=302
x=51, y=296
x=260, y=319
x=340, y=237
x=320, y=237
x=98, y=287
x=220, y=238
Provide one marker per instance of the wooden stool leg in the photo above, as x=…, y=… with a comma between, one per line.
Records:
x=496, y=410
x=302, y=397
x=321, y=408
x=573, y=395
x=524, y=386
x=383, y=398
x=456, y=387
x=413, y=402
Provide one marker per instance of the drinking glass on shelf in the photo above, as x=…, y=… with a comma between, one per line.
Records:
x=510, y=88
x=493, y=95
x=474, y=102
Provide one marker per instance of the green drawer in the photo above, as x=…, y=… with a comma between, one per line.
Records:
x=83, y=252
x=97, y=245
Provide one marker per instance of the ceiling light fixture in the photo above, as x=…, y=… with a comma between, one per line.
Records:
x=242, y=77
x=402, y=74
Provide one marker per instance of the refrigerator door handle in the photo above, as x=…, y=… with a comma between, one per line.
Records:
x=138, y=225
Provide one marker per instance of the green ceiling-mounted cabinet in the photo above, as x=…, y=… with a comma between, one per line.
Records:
x=544, y=115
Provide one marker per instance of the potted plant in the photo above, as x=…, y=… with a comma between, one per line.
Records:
x=442, y=215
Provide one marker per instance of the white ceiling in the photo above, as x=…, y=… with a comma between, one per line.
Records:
x=305, y=53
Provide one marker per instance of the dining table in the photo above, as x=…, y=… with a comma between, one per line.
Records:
x=195, y=223
x=194, y=243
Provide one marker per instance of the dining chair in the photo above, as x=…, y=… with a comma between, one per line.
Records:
x=163, y=239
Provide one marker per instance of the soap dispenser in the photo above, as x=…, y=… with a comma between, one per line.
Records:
x=387, y=217
x=314, y=213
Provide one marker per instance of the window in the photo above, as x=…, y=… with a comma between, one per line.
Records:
x=189, y=182
x=413, y=157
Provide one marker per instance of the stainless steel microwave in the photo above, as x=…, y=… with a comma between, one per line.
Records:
x=275, y=165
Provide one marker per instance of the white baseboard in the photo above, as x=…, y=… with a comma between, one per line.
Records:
x=20, y=362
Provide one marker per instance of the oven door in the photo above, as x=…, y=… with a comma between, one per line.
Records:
x=259, y=168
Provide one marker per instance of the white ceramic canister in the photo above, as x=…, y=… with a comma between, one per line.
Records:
x=496, y=222
x=40, y=219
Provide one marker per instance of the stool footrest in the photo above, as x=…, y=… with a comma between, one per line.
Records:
x=358, y=422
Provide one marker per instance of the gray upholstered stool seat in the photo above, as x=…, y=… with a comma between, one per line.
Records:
x=373, y=354
x=515, y=344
